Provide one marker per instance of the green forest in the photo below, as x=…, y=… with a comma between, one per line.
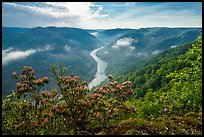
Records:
x=162, y=95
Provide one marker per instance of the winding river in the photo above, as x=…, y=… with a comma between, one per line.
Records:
x=101, y=66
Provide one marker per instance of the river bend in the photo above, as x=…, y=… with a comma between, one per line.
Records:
x=101, y=66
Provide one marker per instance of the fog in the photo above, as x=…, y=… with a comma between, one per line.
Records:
x=11, y=54
x=124, y=43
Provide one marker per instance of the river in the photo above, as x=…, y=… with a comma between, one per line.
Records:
x=101, y=67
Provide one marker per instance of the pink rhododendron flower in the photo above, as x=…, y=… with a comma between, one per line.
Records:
x=18, y=84
x=76, y=77
x=14, y=74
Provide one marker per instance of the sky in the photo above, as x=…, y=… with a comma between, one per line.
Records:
x=102, y=15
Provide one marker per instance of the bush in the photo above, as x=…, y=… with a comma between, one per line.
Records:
x=31, y=110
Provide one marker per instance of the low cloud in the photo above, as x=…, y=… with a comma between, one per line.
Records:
x=67, y=48
x=142, y=54
x=174, y=46
x=124, y=43
x=10, y=54
x=156, y=52
x=94, y=33
x=48, y=47
x=106, y=52
x=6, y=51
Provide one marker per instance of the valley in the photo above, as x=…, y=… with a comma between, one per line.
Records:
x=155, y=82
x=72, y=47
x=102, y=68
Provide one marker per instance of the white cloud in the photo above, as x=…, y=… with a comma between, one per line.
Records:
x=81, y=9
x=10, y=54
x=52, y=11
x=156, y=52
x=106, y=52
x=174, y=46
x=66, y=12
x=67, y=48
x=94, y=33
x=6, y=50
x=124, y=43
x=101, y=15
x=142, y=54
x=48, y=47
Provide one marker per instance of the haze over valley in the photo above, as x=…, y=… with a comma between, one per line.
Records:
x=73, y=46
x=102, y=68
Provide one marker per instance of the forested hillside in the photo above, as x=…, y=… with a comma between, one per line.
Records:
x=161, y=96
x=72, y=46
x=38, y=46
x=171, y=80
x=151, y=72
x=137, y=44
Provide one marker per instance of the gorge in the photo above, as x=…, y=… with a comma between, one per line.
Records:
x=101, y=66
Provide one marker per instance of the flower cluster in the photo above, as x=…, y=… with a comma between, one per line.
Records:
x=75, y=109
x=46, y=93
x=14, y=75
x=73, y=86
x=41, y=81
x=109, y=100
x=95, y=95
x=67, y=80
x=98, y=115
x=27, y=80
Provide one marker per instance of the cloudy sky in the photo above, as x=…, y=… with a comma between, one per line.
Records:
x=102, y=15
